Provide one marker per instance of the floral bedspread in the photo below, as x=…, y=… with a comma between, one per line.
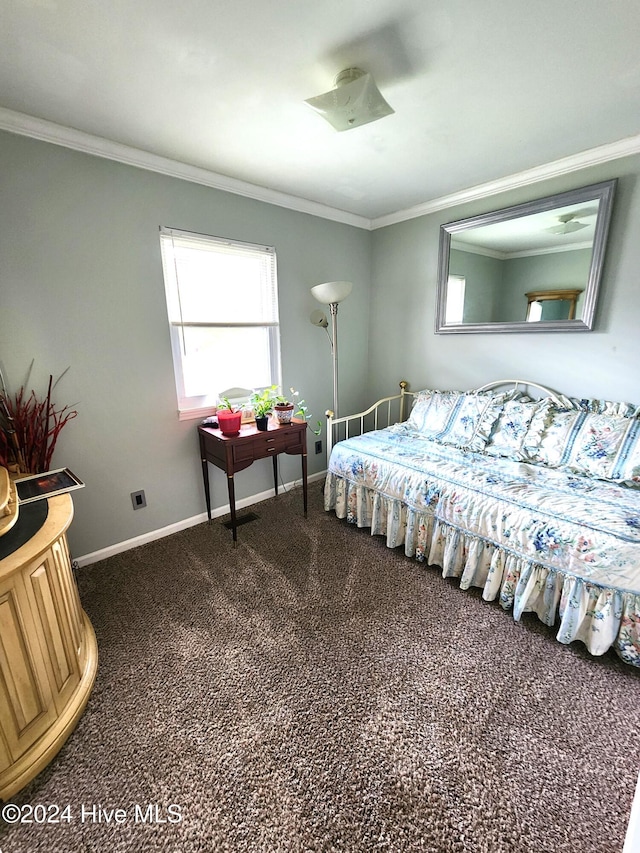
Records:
x=564, y=546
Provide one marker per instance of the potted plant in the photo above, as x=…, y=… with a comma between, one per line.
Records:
x=284, y=410
x=29, y=427
x=262, y=403
x=229, y=418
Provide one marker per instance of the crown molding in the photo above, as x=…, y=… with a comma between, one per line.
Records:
x=67, y=137
x=592, y=157
x=56, y=134
x=486, y=252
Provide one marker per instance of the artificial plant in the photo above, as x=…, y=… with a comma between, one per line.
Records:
x=30, y=425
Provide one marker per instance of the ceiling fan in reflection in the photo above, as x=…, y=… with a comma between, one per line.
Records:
x=567, y=224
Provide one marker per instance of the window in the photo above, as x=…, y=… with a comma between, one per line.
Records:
x=455, y=299
x=222, y=303
x=534, y=314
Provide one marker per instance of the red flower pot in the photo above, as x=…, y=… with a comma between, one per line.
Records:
x=228, y=421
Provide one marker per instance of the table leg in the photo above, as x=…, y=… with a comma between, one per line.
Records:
x=232, y=506
x=304, y=482
x=275, y=474
x=205, y=479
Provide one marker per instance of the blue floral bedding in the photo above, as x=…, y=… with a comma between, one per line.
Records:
x=560, y=544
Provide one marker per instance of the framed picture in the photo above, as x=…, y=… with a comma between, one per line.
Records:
x=47, y=485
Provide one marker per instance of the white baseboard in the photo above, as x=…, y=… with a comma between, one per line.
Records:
x=632, y=838
x=152, y=535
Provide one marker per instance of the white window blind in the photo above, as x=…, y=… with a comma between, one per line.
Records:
x=222, y=304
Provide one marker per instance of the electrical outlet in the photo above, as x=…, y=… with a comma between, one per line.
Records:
x=319, y=446
x=138, y=499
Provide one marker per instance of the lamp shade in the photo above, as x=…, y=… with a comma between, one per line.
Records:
x=319, y=318
x=331, y=291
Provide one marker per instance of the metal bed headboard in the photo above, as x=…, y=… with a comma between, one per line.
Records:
x=521, y=382
x=380, y=413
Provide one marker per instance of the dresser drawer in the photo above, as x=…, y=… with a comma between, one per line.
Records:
x=269, y=443
x=244, y=452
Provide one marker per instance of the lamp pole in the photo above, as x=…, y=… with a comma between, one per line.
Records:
x=331, y=293
x=333, y=308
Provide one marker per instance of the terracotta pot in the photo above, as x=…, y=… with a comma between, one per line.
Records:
x=229, y=422
x=283, y=412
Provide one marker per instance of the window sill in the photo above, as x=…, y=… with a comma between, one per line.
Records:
x=194, y=414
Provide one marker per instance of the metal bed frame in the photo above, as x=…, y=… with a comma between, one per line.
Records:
x=380, y=414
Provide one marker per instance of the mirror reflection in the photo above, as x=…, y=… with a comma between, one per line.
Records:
x=532, y=267
x=552, y=305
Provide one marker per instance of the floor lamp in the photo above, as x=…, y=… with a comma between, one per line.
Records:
x=331, y=293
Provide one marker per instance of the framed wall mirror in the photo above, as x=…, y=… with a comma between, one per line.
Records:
x=533, y=267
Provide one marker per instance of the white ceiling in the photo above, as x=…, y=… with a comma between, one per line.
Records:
x=481, y=90
x=530, y=235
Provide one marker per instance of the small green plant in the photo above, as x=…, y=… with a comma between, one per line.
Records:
x=262, y=402
x=227, y=404
x=300, y=408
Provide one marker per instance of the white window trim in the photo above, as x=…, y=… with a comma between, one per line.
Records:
x=190, y=408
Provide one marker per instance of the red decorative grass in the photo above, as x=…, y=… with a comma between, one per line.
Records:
x=29, y=429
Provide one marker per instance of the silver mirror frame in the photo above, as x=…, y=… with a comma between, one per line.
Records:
x=602, y=192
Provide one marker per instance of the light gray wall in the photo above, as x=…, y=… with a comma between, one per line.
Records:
x=555, y=271
x=81, y=287
x=602, y=363
x=496, y=289
x=484, y=282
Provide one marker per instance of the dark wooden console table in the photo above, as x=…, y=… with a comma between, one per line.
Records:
x=235, y=452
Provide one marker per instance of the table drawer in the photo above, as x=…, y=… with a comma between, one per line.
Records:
x=272, y=442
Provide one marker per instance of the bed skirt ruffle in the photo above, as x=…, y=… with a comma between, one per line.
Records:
x=598, y=616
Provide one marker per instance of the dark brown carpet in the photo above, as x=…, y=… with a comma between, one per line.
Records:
x=313, y=691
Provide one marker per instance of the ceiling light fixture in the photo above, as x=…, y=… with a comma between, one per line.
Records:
x=567, y=224
x=356, y=100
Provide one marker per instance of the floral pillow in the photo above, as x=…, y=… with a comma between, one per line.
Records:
x=462, y=419
x=513, y=426
x=432, y=410
x=551, y=434
x=608, y=447
x=471, y=420
x=601, y=407
x=596, y=445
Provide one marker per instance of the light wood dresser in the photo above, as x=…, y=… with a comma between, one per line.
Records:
x=48, y=650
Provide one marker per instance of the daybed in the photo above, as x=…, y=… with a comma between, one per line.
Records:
x=535, y=501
